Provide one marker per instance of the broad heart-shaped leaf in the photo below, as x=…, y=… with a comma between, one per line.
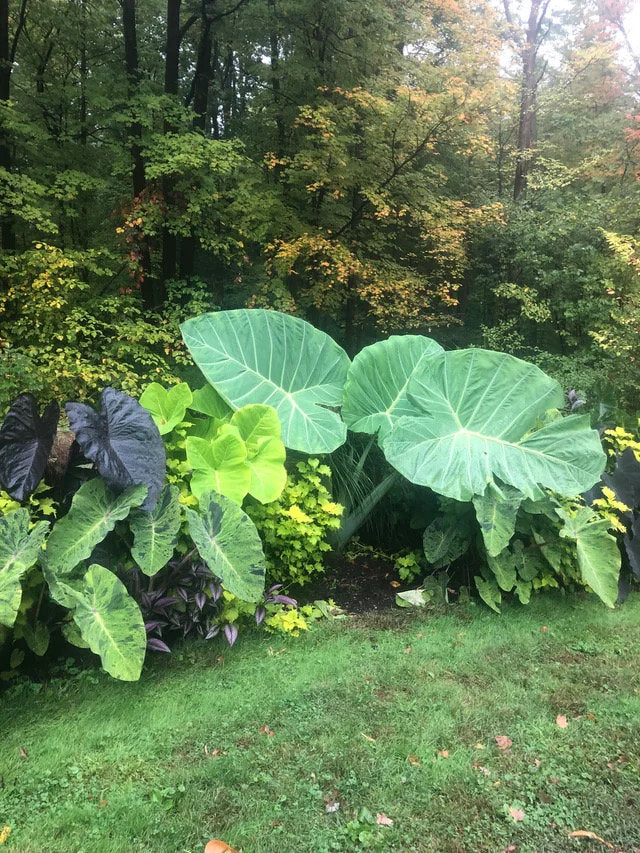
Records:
x=478, y=410
x=219, y=465
x=259, y=356
x=155, y=533
x=93, y=513
x=25, y=444
x=19, y=550
x=503, y=566
x=122, y=441
x=598, y=553
x=110, y=622
x=489, y=592
x=444, y=540
x=259, y=428
x=496, y=512
x=207, y=401
x=166, y=406
x=230, y=545
x=375, y=393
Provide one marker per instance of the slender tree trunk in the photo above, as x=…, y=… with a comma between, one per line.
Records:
x=527, y=131
x=7, y=57
x=171, y=80
x=151, y=294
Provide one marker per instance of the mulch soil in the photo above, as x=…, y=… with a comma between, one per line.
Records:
x=357, y=584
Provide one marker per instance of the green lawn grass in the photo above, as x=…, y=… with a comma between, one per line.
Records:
x=393, y=714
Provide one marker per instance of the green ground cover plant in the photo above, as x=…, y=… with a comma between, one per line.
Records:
x=468, y=732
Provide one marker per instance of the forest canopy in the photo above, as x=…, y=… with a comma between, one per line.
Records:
x=464, y=169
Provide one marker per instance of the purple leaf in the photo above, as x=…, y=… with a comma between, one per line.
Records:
x=274, y=588
x=157, y=645
x=284, y=599
x=153, y=624
x=213, y=631
x=182, y=592
x=261, y=612
x=201, y=600
x=231, y=633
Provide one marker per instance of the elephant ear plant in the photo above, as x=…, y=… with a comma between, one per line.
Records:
x=123, y=442
x=471, y=425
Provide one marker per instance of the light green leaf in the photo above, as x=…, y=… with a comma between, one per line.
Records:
x=489, y=592
x=259, y=428
x=503, y=566
x=375, y=393
x=478, y=410
x=19, y=550
x=598, y=553
x=155, y=532
x=259, y=356
x=167, y=406
x=496, y=512
x=444, y=540
x=230, y=545
x=207, y=401
x=523, y=591
x=219, y=465
x=110, y=622
x=94, y=511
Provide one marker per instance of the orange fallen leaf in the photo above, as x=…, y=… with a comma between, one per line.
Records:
x=516, y=814
x=23, y=753
x=443, y=753
x=395, y=584
x=584, y=833
x=561, y=721
x=383, y=820
x=544, y=629
x=407, y=651
x=265, y=730
x=215, y=846
x=503, y=741
x=413, y=759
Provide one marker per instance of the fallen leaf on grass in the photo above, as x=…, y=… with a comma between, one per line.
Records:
x=561, y=721
x=516, y=814
x=544, y=629
x=443, y=753
x=395, y=584
x=503, y=741
x=584, y=833
x=214, y=752
x=23, y=753
x=383, y=820
x=408, y=650
x=265, y=730
x=366, y=737
x=479, y=746
x=275, y=654
x=413, y=759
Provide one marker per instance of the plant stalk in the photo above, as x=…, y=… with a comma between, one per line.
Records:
x=353, y=522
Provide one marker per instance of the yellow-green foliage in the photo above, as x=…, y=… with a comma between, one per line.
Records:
x=67, y=329
x=294, y=528
x=619, y=439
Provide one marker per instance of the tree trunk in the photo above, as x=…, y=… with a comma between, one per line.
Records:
x=527, y=131
x=171, y=80
x=149, y=287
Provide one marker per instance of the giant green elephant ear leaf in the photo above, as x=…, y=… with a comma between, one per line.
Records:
x=95, y=509
x=258, y=356
x=19, y=550
x=598, y=552
x=479, y=413
x=110, y=622
x=155, y=533
x=375, y=393
x=230, y=545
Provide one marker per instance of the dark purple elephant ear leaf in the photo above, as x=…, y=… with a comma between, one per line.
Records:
x=25, y=444
x=122, y=441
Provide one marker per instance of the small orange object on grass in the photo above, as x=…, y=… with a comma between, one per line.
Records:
x=215, y=846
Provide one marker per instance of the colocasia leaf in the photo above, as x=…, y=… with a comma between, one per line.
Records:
x=25, y=444
x=122, y=441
